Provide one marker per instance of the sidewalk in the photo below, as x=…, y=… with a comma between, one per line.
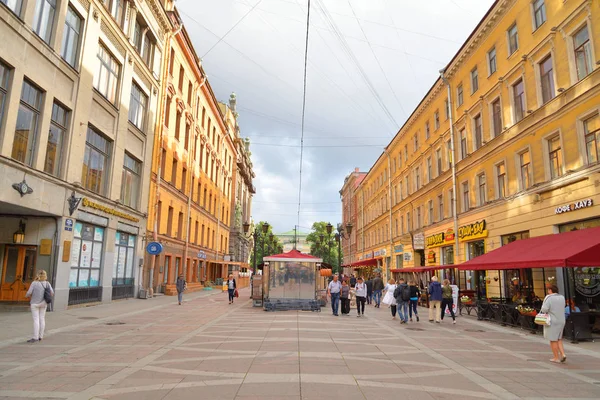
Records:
x=208, y=349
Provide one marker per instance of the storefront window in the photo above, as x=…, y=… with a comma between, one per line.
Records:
x=506, y=239
x=166, y=269
x=86, y=255
x=447, y=255
x=124, y=256
x=476, y=278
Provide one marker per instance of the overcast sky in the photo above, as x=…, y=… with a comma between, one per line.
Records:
x=370, y=62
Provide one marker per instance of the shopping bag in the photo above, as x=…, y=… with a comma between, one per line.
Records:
x=542, y=319
x=236, y=294
x=389, y=298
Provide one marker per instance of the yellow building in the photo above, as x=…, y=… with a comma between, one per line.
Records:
x=522, y=122
x=192, y=170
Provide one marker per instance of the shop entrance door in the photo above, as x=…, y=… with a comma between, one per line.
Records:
x=17, y=272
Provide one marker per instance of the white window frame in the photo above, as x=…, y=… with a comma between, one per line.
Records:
x=462, y=196
x=489, y=61
x=546, y=153
x=538, y=77
x=476, y=71
x=492, y=122
x=41, y=11
x=439, y=162
x=512, y=98
x=569, y=36
x=580, y=128
x=510, y=53
x=496, y=183
x=460, y=95
x=429, y=168
x=430, y=212
x=474, y=132
x=534, y=25
x=440, y=207
x=481, y=201
x=518, y=154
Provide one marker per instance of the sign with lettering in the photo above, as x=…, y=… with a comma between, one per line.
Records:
x=90, y=204
x=399, y=249
x=435, y=240
x=449, y=235
x=419, y=241
x=46, y=247
x=69, y=224
x=578, y=205
x=379, y=253
x=407, y=256
x=476, y=230
x=431, y=257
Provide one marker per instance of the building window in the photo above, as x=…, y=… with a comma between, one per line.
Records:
x=478, y=132
x=419, y=220
x=171, y=61
x=465, y=203
x=459, y=95
x=106, y=79
x=186, y=143
x=180, y=226
x=144, y=42
x=555, y=157
x=491, y=58
x=183, y=178
x=43, y=18
x=13, y=5
x=138, y=106
x=547, y=79
x=441, y=207
x=591, y=131
x=56, y=136
x=539, y=13
x=70, y=42
x=513, y=39
x=583, y=53
x=4, y=75
x=181, y=78
x=431, y=219
x=116, y=8
x=429, y=170
x=525, y=167
x=450, y=203
x=86, y=255
x=501, y=180
x=416, y=142
x=497, y=117
x=446, y=108
x=518, y=92
x=130, y=181
x=449, y=153
x=438, y=158
x=427, y=130
x=124, y=259
x=405, y=152
x=482, y=182
x=95, y=162
x=417, y=178
x=163, y=163
x=474, y=80
x=463, y=144
x=27, y=123
x=174, y=172
x=436, y=120
x=170, y=222
x=158, y=217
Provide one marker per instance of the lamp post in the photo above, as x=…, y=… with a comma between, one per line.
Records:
x=338, y=238
x=265, y=229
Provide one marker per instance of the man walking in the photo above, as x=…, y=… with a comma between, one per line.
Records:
x=369, y=285
x=352, y=281
x=435, y=299
x=377, y=289
x=180, y=285
x=333, y=290
x=402, y=295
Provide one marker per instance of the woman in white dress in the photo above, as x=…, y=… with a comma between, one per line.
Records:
x=554, y=305
x=388, y=298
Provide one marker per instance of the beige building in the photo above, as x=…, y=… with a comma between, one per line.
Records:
x=79, y=92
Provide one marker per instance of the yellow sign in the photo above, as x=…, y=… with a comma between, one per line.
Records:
x=476, y=230
x=87, y=203
x=45, y=247
x=435, y=240
x=66, y=250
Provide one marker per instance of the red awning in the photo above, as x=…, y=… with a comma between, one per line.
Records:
x=423, y=269
x=579, y=248
x=370, y=262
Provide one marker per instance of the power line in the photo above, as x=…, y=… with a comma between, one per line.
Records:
x=302, y=145
x=281, y=202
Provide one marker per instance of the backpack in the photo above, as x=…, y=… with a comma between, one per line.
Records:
x=405, y=293
x=397, y=294
x=47, y=293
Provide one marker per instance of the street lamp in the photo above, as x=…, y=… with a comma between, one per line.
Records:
x=339, y=236
x=265, y=229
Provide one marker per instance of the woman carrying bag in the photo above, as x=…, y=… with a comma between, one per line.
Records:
x=554, y=307
x=231, y=288
x=389, y=296
x=41, y=293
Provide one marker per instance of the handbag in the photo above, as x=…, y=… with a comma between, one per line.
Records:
x=389, y=298
x=235, y=293
x=47, y=293
x=542, y=319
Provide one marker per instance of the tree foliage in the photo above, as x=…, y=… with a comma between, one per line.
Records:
x=265, y=246
x=327, y=249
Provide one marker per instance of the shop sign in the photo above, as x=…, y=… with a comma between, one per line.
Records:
x=435, y=240
x=46, y=247
x=399, y=248
x=578, y=205
x=69, y=224
x=154, y=248
x=368, y=255
x=379, y=253
x=476, y=230
x=87, y=203
x=407, y=256
x=587, y=281
x=202, y=255
x=449, y=235
x=431, y=257
x=419, y=241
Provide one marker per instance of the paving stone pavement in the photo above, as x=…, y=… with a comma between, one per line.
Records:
x=208, y=349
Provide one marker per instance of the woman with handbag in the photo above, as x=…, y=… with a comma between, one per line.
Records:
x=41, y=293
x=554, y=307
x=231, y=287
x=181, y=286
x=388, y=298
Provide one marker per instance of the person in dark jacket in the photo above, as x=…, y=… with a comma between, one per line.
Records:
x=231, y=286
x=415, y=293
x=402, y=299
x=180, y=285
x=435, y=299
x=352, y=281
x=377, y=289
x=447, y=300
x=369, y=285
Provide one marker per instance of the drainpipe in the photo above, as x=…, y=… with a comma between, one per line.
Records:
x=390, y=205
x=453, y=153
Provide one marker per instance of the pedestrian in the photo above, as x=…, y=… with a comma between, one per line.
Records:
x=377, y=289
x=231, y=287
x=388, y=298
x=402, y=296
x=345, y=297
x=369, y=284
x=352, y=281
x=554, y=306
x=415, y=294
x=435, y=299
x=333, y=290
x=38, y=304
x=181, y=286
x=361, y=296
x=447, y=300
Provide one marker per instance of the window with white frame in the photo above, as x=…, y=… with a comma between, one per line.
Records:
x=144, y=42
x=427, y=130
x=555, y=156
x=416, y=142
x=518, y=94
x=106, y=79
x=450, y=203
x=430, y=213
x=402, y=224
x=138, y=107
x=130, y=182
x=583, y=53
x=478, y=131
x=116, y=8
x=525, y=169
x=4, y=75
x=466, y=204
x=27, y=128
x=491, y=59
x=474, y=80
x=43, y=19
x=501, y=180
x=496, y=117
x=547, y=79
x=96, y=158
x=482, y=189
x=429, y=169
x=417, y=178
x=591, y=131
x=447, y=108
x=440, y=207
x=513, y=39
x=419, y=218
x=463, y=144
x=459, y=95
x=438, y=159
x=57, y=134
x=71, y=34
x=449, y=155
x=436, y=120
x=539, y=13
x=13, y=5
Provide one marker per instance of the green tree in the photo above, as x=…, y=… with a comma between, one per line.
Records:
x=324, y=245
x=266, y=243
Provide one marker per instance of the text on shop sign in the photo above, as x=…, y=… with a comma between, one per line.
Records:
x=475, y=230
x=574, y=206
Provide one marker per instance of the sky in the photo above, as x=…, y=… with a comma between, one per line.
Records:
x=370, y=62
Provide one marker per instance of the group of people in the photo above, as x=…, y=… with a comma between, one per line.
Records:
x=401, y=297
